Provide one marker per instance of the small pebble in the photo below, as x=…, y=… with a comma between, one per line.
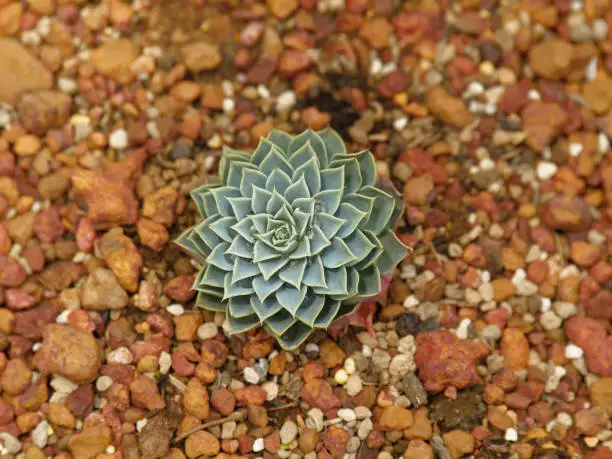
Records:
x=250, y=375
x=341, y=377
x=118, y=139
x=347, y=414
x=573, y=352
x=176, y=309
x=511, y=435
x=258, y=445
x=207, y=331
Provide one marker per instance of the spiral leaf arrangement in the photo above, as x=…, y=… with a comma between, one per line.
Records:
x=293, y=236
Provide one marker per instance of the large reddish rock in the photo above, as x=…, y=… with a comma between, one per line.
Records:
x=70, y=352
x=567, y=213
x=109, y=193
x=542, y=122
x=319, y=394
x=443, y=360
x=591, y=336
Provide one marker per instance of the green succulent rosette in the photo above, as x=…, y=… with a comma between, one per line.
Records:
x=293, y=236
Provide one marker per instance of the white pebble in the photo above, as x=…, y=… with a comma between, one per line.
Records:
x=288, y=432
x=271, y=390
x=118, y=139
x=165, y=362
x=62, y=318
x=250, y=375
x=141, y=423
x=341, y=377
x=550, y=320
x=400, y=123
x=103, y=383
x=546, y=170
x=349, y=366
x=511, y=435
x=285, y=101
x=463, y=328
x=40, y=434
x=228, y=105
x=207, y=331
x=573, y=352
x=575, y=149
x=258, y=445
x=176, y=309
x=120, y=355
x=11, y=444
x=604, y=142
x=346, y=414
x=353, y=385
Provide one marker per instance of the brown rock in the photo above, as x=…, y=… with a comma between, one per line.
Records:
x=600, y=393
x=11, y=272
x=69, y=352
x=308, y=440
x=113, y=59
x=223, y=401
x=257, y=415
x=102, y=291
x=514, y=348
x=567, y=213
x=458, y=443
x=421, y=428
x=90, y=442
x=395, y=418
x=42, y=110
x=186, y=325
x=196, y=400
x=202, y=443
x=26, y=72
x=10, y=16
x=451, y=110
x=331, y=354
x=420, y=449
x=61, y=416
x=591, y=421
x=250, y=395
x=145, y=394
x=122, y=256
x=319, y=394
x=61, y=275
x=16, y=377
x=551, y=59
x=282, y=8
x=160, y=206
x=598, y=93
x=200, y=56
x=443, y=360
x=376, y=32
x=599, y=305
x=335, y=440
x=418, y=190
x=108, y=193
x=151, y=234
x=542, y=122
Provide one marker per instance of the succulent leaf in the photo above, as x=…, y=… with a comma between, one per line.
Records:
x=293, y=236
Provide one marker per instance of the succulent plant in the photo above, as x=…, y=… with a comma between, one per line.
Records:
x=293, y=236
